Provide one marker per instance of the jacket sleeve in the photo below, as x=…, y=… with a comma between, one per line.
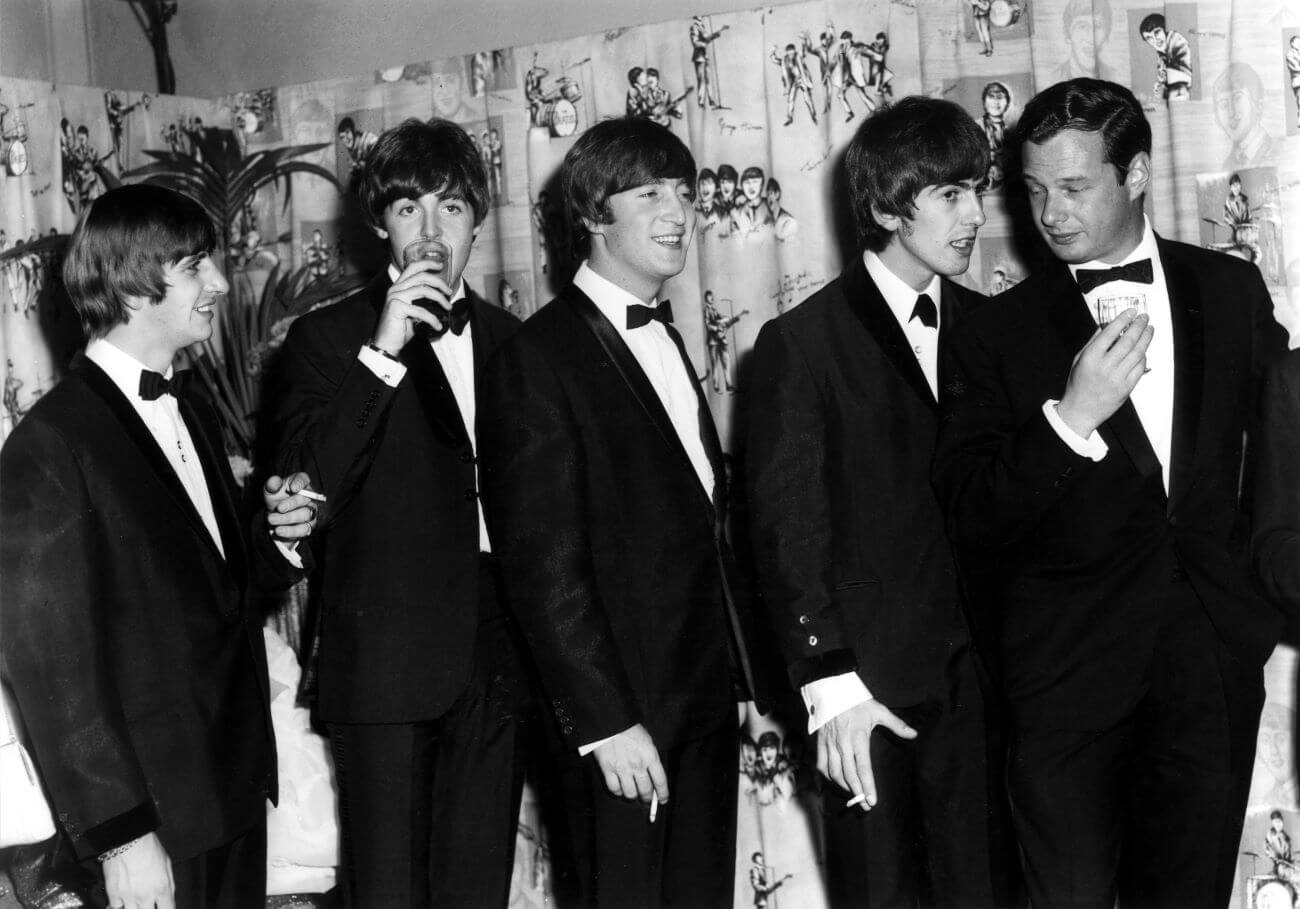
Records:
x=55, y=644
x=536, y=504
x=790, y=509
x=996, y=476
x=1276, y=540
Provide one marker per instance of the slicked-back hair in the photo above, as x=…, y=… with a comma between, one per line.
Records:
x=415, y=158
x=614, y=156
x=1089, y=105
x=900, y=150
x=121, y=245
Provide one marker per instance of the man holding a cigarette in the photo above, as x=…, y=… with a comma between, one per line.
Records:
x=605, y=488
x=854, y=561
x=420, y=683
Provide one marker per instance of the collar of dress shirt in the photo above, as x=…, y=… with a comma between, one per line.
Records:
x=610, y=299
x=900, y=297
x=1146, y=249
x=394, y=272
x=121, y=367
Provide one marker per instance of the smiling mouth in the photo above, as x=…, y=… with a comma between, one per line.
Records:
x=671, y=241
x=966, y=245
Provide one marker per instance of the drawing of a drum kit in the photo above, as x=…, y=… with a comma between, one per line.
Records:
x=1005, y=13
x=559, y=112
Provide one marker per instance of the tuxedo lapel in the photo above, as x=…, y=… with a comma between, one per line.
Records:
x=634, y=376
x=867, y=303
x=1190, y=342
x=99, y=383
x=211, y=453
x=1075, y=325
x=708, y=430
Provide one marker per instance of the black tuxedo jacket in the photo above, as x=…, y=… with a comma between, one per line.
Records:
x=399, y=582
x=1076, y=558
x=1277, y=488
x=853, y=560
x=134, y=655
x=614, y=555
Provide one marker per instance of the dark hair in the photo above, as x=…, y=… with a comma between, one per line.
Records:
x=1275, y=815
x=900, y=150
x=706, y=174
x=633, y=74
x=773, y=186
x=727, y=172
x=1151, y=23
x=346, y=125
x=652, y=73
x=1089, y=105
x=1235, y=178
x=617, y=155
x=1090, y=9
x=121, y=245
x=415, y=158
x=752, y=173
x=769, y=740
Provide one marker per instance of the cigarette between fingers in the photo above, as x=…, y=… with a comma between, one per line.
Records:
x=654, y=807
x=312, y=494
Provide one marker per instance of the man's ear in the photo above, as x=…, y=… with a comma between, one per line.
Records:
x=891, y=223
x=379, y=231
x=1138, y=178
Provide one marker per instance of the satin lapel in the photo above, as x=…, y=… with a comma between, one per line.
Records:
x=429, y=381
x=633, y=375
x=951, y=312
x=708, y=429
x=1190, y=342
x=1075, y=324
x=99, y=382
x=224, y=507
x=869, y=306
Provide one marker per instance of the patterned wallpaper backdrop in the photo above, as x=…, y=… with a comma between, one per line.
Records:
x=767, y=100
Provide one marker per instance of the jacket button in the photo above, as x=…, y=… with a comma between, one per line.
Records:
x=470, y=495
x=812, y=640
x=804, y=620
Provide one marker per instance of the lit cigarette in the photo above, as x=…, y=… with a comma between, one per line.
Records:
x=654, y=807
x=856, y=800
x=312, y=494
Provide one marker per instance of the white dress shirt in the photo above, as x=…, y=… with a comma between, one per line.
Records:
x=163, y=418
x=1153, y=397
x=455, y=354
x=661, y=361
x=827, y=698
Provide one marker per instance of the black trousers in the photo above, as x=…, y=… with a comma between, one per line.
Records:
x=1151, y=809
x=232, y=876
x=429, y=810
x=686, y=858
x=938, y=834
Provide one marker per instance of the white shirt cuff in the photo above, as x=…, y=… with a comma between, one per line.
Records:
x=588, y=749
x=1093, y=448
x=390, y=372
x=290, y=552
x=827, y=698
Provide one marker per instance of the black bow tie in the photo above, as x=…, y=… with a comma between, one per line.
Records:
x=455, y=320
x=1138, y=272
x=925, y=311
x=153, y=386
x=644, y=315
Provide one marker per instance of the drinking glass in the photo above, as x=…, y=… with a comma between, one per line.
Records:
x=439, y=253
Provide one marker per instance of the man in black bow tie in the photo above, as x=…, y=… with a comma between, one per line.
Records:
x=420, y=681
x=1090, y=459
x=131, y=638
x=605, y=488
x=849, y=539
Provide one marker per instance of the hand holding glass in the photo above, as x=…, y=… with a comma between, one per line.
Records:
x=439, y=254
